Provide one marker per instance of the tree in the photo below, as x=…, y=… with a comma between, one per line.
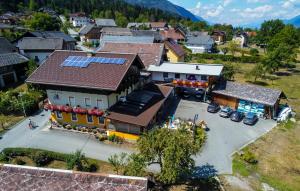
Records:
x=32, y=66
x=224, y=50
x=135, y=165
x=121, y=20
x=229, y=71
x=258, y=71
x=43, y=21
x=32, y=5
x=76, y=160
x=118, y=162
x=172, y=150
x=3, y=121
x=268, y=30
x=233, y=47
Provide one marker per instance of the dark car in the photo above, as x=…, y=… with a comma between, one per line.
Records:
x=226, y=112
x=186, y=93
x=213, y=108
x=199, y=94
x=250, y=119
x=237, y=116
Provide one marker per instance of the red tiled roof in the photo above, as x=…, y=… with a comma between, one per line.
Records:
x=150, y=54
x=172, y=34
x=14, y=177
x=145, y=117
x=95, y=76
x=176, y=48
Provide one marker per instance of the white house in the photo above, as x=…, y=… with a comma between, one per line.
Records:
x=200, y=44
x=241, y=39
x=79, y=19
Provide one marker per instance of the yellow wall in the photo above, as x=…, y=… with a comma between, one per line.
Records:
x=81, y=119
x=172, y=57
x=124, y=135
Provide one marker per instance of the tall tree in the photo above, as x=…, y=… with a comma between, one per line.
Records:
x=268, y=30
x=32, y=5
x=43, y=21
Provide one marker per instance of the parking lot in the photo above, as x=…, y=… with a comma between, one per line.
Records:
x=223, y=138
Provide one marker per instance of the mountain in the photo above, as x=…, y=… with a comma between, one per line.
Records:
x=294, y=21
x=166, y=5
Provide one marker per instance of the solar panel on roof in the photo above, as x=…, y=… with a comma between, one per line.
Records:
x=83, y=61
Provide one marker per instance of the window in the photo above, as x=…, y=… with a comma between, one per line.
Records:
x=58, y=114
x=101, y=120
x=99, y=103
x=117, y=98
x=72, y=101
x=177, y=75
x=89, y=118
x=87, y=102
x=204, y=78
x=74, y=117
x=165, y=75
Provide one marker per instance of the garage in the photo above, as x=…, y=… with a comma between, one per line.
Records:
x=248, y=98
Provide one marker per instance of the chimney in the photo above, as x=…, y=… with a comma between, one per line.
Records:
x=197, y=67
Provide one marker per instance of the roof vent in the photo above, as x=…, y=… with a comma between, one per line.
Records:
x=197, y=67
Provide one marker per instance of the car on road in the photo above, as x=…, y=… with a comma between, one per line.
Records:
x=226, y=112
x=237, y=116
x=213, y=107
x=250, y=119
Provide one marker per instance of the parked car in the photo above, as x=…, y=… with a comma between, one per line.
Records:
x=186, y=93
x=213, y=108
x=199, y=94
x=284, y=114
x=237, y=116
x=250, y=119
x=226, y=112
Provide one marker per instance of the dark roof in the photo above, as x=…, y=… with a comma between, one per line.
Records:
x=94, y=33
x=52, y=34
x=171, y=34
x=105, y=22
x=85, y=29
x=176, y=48
x=78, y=14
x=8, y=59
x=126, y=39
x=249, y=92
x=95, y=76
x=37, y=43
x=14, y=177
x=153, y=95
x=200, y=40
x=155, y=34
x=6, y=46
x=150, y=53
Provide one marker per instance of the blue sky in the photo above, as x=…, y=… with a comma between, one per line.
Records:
x=241, y=12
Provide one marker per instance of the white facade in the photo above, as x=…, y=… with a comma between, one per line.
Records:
x=164, y=76
x=84, y=100
x=198, y=49
x=79, y=21
x=41, y=56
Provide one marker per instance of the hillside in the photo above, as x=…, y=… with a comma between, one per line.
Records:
x=165, y=5
x=294, y=21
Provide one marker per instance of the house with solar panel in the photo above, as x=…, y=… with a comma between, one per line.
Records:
x=83, y=87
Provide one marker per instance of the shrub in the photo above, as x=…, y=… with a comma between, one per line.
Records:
x=41, y=158
x=74, y=127
x=228, y=58
x=249, y=157
x=3, y=158
x=102, y=137
x=19, y=161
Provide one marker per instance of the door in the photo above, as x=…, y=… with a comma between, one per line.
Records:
x=8, y=79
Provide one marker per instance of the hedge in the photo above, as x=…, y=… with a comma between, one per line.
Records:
x=229, y=58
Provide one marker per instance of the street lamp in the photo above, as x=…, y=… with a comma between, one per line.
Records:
x=24, y=111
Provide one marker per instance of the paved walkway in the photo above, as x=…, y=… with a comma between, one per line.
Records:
x=56, y=140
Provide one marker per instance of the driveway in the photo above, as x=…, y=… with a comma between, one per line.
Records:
x=56, y=140
x=224, y=137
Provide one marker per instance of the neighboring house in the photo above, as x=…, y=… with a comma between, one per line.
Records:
x=197, y=33
x=39, y=49
x=138, y=26
x=105, y=22
x=200, y=44
x=175, y=53
x=125, y=39
x=79, y=19
x=6, y=20
x=186, y=74
x=173, y=35
x=159, y=25
x=140, y=110
x=248, y=98
x=90, y=33
x=149, y=53
x=116, y=31
x=15, y=177
x=219, y=37
x=81, y=86
x=12, y=64
x=155, y=34
x=69, y=43
x=241, y=39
